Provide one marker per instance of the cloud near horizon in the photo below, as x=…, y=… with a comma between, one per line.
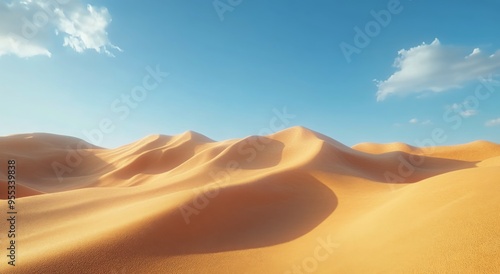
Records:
x=435, y=67
x=27, y=27
x=416, y=121
x=463, y=110
x=493, y=122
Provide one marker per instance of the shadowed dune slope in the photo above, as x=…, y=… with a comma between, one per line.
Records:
x=292, y=200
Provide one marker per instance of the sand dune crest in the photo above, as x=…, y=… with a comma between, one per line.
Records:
x=268, y=204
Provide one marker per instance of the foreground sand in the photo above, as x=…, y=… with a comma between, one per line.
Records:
x=292, y=202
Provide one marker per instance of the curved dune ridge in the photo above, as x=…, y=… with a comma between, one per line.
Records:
x=295, y=201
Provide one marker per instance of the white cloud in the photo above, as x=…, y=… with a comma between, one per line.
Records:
x=468, y=113
x=426, y=122
x=463, y=110
x=493, y=122
x=415, y=121
x=13, y=44
x=435, y=67
x=27, y=27
x=86, y=29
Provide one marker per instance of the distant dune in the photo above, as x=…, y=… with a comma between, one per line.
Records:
x=295, y=201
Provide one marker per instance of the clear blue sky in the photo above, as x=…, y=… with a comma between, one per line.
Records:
x=230, y=64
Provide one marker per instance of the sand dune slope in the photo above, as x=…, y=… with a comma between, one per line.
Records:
x=292, y=202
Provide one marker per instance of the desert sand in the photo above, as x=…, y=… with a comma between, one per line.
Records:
x=292, y=202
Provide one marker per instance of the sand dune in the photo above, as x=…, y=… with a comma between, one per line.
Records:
x=292, y=202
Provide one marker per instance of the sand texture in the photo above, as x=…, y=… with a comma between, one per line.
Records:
x=292, y=202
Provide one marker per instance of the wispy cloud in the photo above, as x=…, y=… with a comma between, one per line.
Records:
x=468, y=113
x=463, y=111
x=426, y=122
x=27, y=27
x=413, y=121
x=436, y=67
x=493, y=122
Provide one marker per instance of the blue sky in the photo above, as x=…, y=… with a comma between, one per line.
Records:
x=67, y=66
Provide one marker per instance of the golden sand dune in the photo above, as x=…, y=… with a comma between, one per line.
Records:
x=292, y=202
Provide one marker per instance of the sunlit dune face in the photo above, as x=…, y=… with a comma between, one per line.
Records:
x=294, y=200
